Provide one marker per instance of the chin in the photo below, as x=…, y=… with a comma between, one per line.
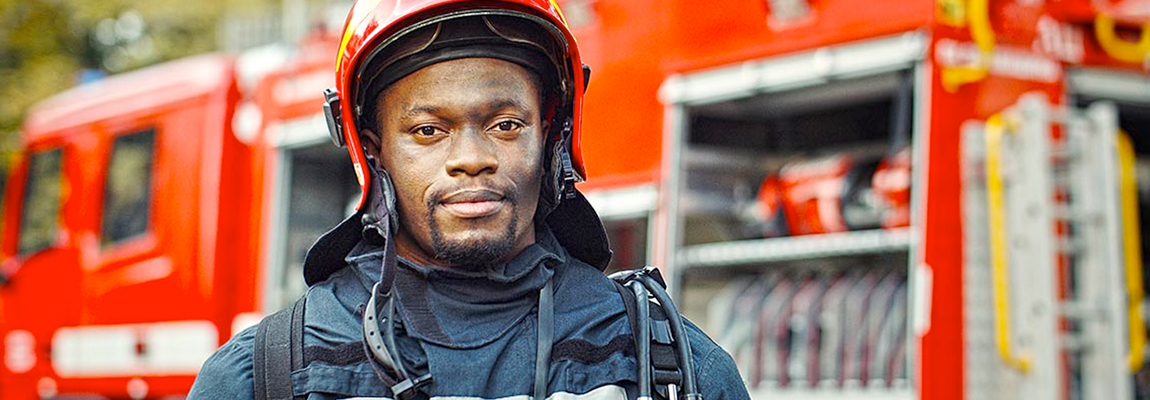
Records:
x=475, y=249
x=476, y=243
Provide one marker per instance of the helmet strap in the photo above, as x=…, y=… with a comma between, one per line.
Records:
x=380, y=217
x=566, y=171
x=567, y=175
x=331, y=113
x=558, y=181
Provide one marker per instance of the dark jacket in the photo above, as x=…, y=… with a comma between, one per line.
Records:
x=475, y=333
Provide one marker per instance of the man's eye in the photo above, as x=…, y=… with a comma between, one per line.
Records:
x=506, y=125
x=426, y=131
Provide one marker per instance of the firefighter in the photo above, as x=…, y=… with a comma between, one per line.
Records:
x=473, y=267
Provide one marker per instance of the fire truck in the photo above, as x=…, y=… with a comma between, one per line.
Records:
x=897, y=199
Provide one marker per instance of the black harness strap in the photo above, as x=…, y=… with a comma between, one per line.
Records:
x=664, y=361
x=277, y=352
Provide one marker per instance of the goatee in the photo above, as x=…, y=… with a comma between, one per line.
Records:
x=473, y=255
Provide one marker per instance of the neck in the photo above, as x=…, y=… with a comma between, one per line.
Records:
x=466, y=308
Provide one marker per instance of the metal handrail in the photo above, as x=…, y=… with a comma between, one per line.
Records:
x=994, y=132
x=1132, y=247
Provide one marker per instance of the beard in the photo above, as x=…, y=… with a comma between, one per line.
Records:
x=475, y=254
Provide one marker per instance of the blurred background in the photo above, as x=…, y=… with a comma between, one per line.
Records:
x=50, y=46
x=895, y=199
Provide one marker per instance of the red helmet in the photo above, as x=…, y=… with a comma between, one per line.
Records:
x=371, y=44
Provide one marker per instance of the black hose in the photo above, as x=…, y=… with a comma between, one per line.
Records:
x=679, y=332
x=643, y=339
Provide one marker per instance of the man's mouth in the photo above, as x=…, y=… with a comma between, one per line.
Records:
x=473, y=203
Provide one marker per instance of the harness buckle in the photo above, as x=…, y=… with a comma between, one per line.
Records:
x=408, y=389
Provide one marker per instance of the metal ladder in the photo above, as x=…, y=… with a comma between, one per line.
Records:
x=1052, y=270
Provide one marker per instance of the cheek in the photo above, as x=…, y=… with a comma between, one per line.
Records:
x=409, y=203
x=529, y=169
x=409, y=178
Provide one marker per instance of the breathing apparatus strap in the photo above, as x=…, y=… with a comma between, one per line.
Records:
x=546, y=336
x=669, y=364
x=279, y=338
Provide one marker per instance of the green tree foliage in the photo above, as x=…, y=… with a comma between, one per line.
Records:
x=37, y=48
x=46, y=46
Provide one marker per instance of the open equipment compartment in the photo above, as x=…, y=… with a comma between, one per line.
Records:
x=781, y=244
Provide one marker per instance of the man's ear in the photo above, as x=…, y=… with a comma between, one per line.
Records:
x=371, y=142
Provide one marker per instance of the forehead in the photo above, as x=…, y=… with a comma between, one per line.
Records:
x=463, y=81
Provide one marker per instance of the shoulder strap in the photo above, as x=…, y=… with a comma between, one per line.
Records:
x=664, y=362
x=628, y=305
x=277, y=352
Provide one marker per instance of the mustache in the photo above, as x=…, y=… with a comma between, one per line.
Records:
x=474, y=191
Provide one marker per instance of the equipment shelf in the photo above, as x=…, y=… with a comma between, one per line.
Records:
x=795, y=248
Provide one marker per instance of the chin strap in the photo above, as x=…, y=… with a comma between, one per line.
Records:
x=380, y=345
x=380, y=216
x=379, y=225
x=567, y=191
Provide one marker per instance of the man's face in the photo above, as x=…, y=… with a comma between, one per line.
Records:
x=463, y=142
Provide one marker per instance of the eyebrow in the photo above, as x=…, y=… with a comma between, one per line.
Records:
x=419, y=109
x=509, y=103
x=498, y=104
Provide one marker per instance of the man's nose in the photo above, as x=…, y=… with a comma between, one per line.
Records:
x=472, y=153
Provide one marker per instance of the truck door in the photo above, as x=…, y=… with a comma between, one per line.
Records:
x=35, y=251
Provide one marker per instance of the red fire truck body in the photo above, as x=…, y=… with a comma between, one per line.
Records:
x=87, y=297
x=113, y=291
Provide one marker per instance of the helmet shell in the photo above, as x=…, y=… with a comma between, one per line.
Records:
x=371, y=22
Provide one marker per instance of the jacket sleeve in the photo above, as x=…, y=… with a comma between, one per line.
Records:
x=227, y=374
x=715, y=370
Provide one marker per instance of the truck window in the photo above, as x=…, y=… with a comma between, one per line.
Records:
x=128, y=187
x=318, y=189
x=40, y=213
